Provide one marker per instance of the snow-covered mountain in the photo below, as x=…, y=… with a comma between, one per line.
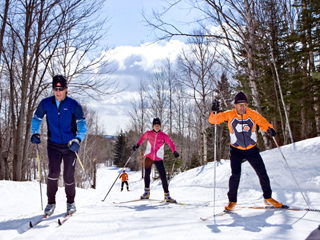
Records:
x=20, y=203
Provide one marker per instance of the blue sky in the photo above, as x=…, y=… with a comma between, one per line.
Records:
x=127, y=27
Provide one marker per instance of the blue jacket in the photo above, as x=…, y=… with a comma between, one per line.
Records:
x=65, y=122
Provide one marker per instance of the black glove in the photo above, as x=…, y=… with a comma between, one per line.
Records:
x=74, y=144
x=176, y=154
x=135, y=147
x=215, y=106
x=271, y=132
x=35, y=138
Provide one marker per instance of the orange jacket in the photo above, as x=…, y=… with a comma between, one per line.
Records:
x=124, y=177
x=242, y=128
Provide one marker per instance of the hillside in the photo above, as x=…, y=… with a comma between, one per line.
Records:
x=20, y=203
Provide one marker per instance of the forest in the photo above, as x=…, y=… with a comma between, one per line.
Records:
x=268, y=49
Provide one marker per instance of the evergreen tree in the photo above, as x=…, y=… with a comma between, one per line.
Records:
x=224, y=95
x=169, y=161
x=194, y=162
x=308, y=33
x=120, y=150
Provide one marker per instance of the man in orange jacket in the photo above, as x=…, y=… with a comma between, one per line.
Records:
x=124, y=176
x=242, y=122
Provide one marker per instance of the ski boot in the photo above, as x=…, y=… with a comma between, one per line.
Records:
x=271, y=201
x=230, y=206
x=48, y=211
x=169, y=199
x=146, y=194
x=71, y=208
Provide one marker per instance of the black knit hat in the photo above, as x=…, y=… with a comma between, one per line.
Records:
x=240, y=98
x=59, y=81
x=156, y=121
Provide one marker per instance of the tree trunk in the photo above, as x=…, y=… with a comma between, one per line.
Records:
x=4, y=23
x=201, y=142
x=205, y=147
x=250, y=46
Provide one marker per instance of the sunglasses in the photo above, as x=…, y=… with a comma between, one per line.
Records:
x=242, y=104
x=59, y=89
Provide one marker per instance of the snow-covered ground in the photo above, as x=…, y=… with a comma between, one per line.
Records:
x=20, y=203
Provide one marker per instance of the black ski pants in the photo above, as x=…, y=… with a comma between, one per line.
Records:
x=124, y=182
x=254, y=158
x=57, y=152
x=161, y=170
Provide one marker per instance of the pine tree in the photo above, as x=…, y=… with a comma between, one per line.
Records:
x=224, y=94
x=169, y=161
x=120, y=150
x=194, y=162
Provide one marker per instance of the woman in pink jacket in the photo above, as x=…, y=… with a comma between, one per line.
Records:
x=154, y=155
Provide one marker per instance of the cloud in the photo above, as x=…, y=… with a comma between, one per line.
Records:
x=134, y=63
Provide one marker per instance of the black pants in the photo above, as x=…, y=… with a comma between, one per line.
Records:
x=253, y=157
x=124, y=182
x=57, y=152
x=161, y=170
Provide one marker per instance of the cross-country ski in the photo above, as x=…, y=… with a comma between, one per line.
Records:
x=63, y=220
x=32, y=224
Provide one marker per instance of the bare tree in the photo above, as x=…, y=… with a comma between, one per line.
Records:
x=171, y=79
x=196, y=65
x=140, y=107
x=239, y=31
x=2, y=31
x=157, y=93
x=37, y=31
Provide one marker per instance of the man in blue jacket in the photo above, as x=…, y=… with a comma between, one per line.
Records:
x=66, y=130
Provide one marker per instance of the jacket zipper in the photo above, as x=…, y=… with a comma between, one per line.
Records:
x=154, y=147
x=244, y=137
x=59, y=122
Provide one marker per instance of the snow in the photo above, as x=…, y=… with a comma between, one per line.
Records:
x=95, y=219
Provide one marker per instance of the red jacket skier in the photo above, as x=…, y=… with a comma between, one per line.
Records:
x=124, y=176
x=154, y=155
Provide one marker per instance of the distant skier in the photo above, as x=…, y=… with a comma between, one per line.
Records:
x=154, y=155
x=242, y=122
x=66, y=129
x=124, y=177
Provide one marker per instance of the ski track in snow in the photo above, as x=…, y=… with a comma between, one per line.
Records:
x=20, y=204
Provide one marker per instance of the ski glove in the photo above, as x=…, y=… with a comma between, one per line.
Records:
x=74, y=144
x=271, y=132
x=215, y=106
x=35, y=138
x=135, y=147
x=176, y=154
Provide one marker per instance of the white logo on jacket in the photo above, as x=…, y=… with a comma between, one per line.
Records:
x=159, y=153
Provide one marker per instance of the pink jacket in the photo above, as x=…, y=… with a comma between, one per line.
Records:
x=155, y=145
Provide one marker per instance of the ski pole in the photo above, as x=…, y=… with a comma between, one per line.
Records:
x=290, y=171
x=117, y=177
x=174, y=162
x=215, y=163
x=87, y=176
x=39, y=170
